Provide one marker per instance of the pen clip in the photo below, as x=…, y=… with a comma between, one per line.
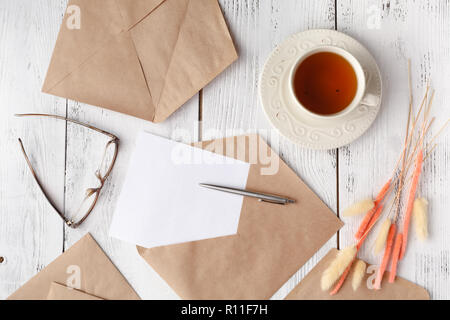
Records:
x=274, y=202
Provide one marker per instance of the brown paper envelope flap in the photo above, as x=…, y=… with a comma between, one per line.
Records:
x=112, y=78
x=99, y=22
x=204, y=49
x=193, y=48
x=135, y=10
x=272, y=243
x=155, y=59
x=61, y=292
x=309, y=287
x=180, y=46
x=84, y=261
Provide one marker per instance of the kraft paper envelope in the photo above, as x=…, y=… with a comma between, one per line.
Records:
x=273, y=241
x=60, y=292
x=144, y=58
x=401, y=289
x=84, y=266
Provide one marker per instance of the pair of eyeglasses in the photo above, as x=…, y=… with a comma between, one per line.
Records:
x=102, y=173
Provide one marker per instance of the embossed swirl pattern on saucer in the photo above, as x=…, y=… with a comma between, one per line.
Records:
x=282, y=111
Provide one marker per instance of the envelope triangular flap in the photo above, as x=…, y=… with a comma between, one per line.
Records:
x=204, y=49
x=272, y=242
x=177, y=47
x=111, y=78
x=133, y=11
x=62, y=292
x=99, y=22
x=400, y=289
x=184, y=54
x=86, y=260
x=155, y=49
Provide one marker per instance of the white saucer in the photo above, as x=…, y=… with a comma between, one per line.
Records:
x=282, y=111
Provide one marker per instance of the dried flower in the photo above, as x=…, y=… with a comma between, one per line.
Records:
x=420, y=216
x=358, y=274
x=359, y=207
x=337, y=267
x=382, y=236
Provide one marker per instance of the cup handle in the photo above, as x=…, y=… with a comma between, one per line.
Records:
x=370, y=100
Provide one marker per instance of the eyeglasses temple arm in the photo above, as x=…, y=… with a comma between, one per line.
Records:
x=69, y=120
x=39, y=183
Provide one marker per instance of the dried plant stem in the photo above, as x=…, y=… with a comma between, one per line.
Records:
x=338, y=267
x=411, y=97
x=429, y=152
x=395, y=257
x=419, y=143
x=387, y=254
x=369, y=215
x=371, y=224
x=439, y=131
x=414, y=123
x=409, y=135
x=341, y=281
x=408, y=124
x=412, y=195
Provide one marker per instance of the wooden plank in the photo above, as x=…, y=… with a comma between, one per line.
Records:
x=231, y=103
x=395, y=31
x=30, y=231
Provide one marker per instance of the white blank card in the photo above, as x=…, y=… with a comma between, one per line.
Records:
x=161, y=202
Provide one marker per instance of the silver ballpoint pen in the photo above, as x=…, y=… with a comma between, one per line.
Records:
x=262, y=197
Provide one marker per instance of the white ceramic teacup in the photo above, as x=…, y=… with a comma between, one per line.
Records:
x=361, y=96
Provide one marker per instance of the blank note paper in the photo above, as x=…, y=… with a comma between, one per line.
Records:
x=161, y=202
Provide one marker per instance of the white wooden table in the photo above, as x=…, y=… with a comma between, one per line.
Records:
x=32, y=235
